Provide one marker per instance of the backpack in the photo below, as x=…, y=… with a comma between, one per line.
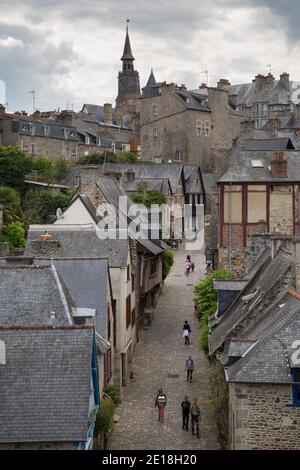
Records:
x=161, y=399
x=190, y=364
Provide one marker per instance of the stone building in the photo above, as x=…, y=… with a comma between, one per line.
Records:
x=258, y=194
x=194, y=127
x=254, y=338
x=263, y=97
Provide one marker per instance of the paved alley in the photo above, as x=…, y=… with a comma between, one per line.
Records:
x=159, y=361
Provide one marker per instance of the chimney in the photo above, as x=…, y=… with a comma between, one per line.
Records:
x=89, y=177
x=278, y=165
x=66, y=117
x=223, y=84
x=108, y=116
x=285, y=80
x=203, y=85
x=259, y=81
x=297, y=110
x=45, y=246
x=130, y=175
x=280, y=240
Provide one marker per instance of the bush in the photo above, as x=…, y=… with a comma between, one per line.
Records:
x=14, y=234
x=114, y=394
x=205, y=299
x=39, y=204
x=10, y=199
x=104, y=419
x=44, y=168
x=60, y=170
x=14, y=165
x=167, y=262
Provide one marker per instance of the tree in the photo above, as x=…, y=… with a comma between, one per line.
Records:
x=39, y=204
x=14, y=165
x=44, y=168
x=14, y=234
x=206, y=300
x=12, y=204
x=97, y=158
x=60, y=170
x=147, y=197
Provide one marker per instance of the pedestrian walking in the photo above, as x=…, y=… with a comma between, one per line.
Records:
x=187, y=268
x=189, y=367
x=186, y=408
x=196, y=417
x=160, y=403
x=186, y=332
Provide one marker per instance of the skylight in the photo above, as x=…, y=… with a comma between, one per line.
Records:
x=257, y=163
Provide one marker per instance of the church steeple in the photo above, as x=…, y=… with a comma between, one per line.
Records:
x=127, y=52
x=129, y=82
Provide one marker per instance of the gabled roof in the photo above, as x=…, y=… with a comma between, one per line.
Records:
x=266, y=144
x=81, y=242
x=29, y=294
x=45, y=385
x=271, y=357
x=242, y=308
x=87, y=281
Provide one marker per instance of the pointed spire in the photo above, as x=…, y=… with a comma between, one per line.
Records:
x=151, y=80
x=127, y=53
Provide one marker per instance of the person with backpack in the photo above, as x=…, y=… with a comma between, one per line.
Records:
x=186, y=332
x=189, y=367
x=196, y=417
x=186, y=408
x=160, y=403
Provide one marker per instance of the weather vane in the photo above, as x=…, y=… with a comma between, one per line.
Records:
x=127, y=21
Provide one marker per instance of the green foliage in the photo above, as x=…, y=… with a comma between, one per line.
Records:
x=43, y=167
x=206, y=300
x=14, y=165
x=104, y=419
x=39, y=204
x=10, y=199
x=14, y=234
x=167, y=262
x=114, y=394
x=96, y=158
x=60, y=170
x=146, y=197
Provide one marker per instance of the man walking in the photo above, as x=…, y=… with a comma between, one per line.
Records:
x=195, y=415
x=160, y=403
x=189, y=367
x=186, y=407
x=186, y=332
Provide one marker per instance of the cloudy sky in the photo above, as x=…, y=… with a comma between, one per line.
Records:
x=69, y=50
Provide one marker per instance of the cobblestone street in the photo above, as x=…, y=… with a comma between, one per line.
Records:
x=159, y=361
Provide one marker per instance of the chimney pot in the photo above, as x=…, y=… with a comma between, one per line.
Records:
x=278, y=165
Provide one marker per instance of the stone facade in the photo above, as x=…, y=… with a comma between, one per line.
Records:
x=172, y=130
x=260, y=418
x=281, y=209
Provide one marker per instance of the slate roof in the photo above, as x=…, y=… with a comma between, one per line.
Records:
x=242, y=171
x=56, y=130
x=147, y=91
x=270, y=359
x=192, y=101
x=96, y=112
x=172, y=171
x=260, y=284
x=192, y=174
x=45, y=384
x=29, y=295
x=209, y=182
x=153, y=184
x=279, y=144
x=87, y=281
x=127, y=52
x=233, y=284
x=76, y=242
x=247, y=92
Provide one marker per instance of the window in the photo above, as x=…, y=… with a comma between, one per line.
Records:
x=257, y=163
x=87, y=140
x=257, y=203
x=132, y=282
x=108, y=324
x=25, y=148
x=46, y=131
x=128, y=273
x=133, y=317
x=296, y=386
x=31, y=129
x=2, y=353
x=264, y=109
x=128, y=311
x=155, y=110
x=73, y=153
x=154, y=265
x=233, y=204
x=179, y=155
x=33, y=149
x=155, y=134
x=107, y=367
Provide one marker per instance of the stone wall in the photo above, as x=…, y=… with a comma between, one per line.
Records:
x=45, y=248
x=238, y=260
x=260, y=418
x=256, y=243
x=281, y=210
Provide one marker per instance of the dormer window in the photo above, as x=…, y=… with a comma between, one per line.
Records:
x=155, y=110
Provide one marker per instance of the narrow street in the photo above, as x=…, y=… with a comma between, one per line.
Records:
x=159, y=361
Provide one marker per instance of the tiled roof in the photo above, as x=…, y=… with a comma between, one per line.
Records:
x=30, y=294
x=45, y=384
x=261, y=282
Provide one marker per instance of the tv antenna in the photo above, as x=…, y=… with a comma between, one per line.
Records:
x=205, y=72
x=269, y=68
